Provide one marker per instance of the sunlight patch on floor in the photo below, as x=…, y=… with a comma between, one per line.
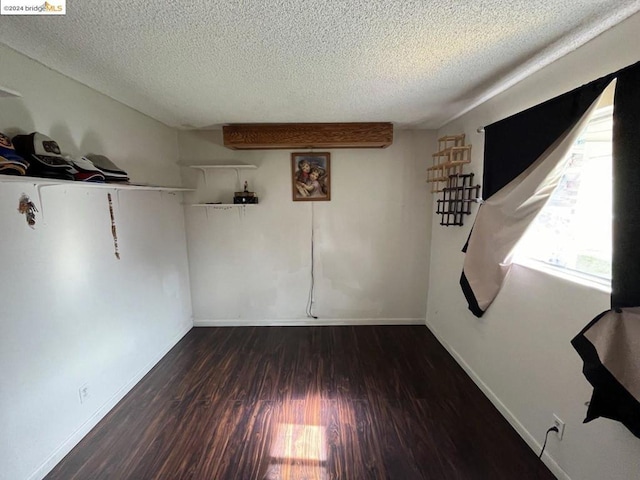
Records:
x=298, y=452
x=299, y=446
x=302, y=442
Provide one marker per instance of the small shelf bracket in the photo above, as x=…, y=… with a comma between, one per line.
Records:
x=8, y=93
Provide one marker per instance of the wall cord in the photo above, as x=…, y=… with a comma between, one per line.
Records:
x=546, y=436
x=544, y=445
x=311, y=288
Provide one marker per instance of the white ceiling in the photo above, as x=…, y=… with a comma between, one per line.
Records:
x=200, y=64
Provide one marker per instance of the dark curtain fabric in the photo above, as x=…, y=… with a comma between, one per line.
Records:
x=512, y=144
x=511, y=147
x=625, y=281
x=507, y=214
x=610, y=349
x=610, y=345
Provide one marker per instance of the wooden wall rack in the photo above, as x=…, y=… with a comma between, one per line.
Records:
x=449, y=160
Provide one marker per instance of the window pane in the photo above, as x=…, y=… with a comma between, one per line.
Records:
x=573, y=231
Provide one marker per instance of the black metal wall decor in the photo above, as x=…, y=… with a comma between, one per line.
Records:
x=456, y=199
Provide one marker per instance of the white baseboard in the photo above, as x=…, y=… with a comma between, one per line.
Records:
x=306, y=322
x=86, y=427
x=502, y=408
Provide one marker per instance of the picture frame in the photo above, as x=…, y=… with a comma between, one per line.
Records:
x=311, y=176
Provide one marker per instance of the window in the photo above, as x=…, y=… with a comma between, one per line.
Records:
x=572, y=233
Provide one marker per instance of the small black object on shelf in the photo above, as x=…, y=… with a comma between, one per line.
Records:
x=456, y=199
x=245, y=196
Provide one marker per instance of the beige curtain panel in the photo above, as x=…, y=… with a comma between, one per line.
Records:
x=506, y=215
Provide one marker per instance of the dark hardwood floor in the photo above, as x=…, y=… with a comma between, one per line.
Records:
x=304, y=403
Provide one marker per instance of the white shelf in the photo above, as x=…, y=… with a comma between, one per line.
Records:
x=204, y=168
x=222, y=204
x=110, y=186
x=207, y=168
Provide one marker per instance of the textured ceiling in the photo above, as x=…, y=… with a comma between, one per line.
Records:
x=200, y=64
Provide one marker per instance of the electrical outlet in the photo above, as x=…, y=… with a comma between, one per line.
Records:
x=559, y=424
x=83, y=393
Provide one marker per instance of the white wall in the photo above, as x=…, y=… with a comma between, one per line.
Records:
x=519, y=351
x=70, y=312
x=371, y=239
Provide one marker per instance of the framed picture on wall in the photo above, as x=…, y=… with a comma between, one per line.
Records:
x=311, y=176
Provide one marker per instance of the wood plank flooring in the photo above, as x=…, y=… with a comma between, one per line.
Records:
x=304, y=403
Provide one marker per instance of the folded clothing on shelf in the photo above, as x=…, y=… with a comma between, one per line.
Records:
x=44, y=157
x=111, y=172
x=10, y=162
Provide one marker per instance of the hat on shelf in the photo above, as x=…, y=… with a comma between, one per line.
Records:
x=10, y=162
x=86, y=170
x=111, y=172
x=43, y=154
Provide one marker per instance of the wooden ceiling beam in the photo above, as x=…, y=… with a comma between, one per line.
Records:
x=253, y=136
